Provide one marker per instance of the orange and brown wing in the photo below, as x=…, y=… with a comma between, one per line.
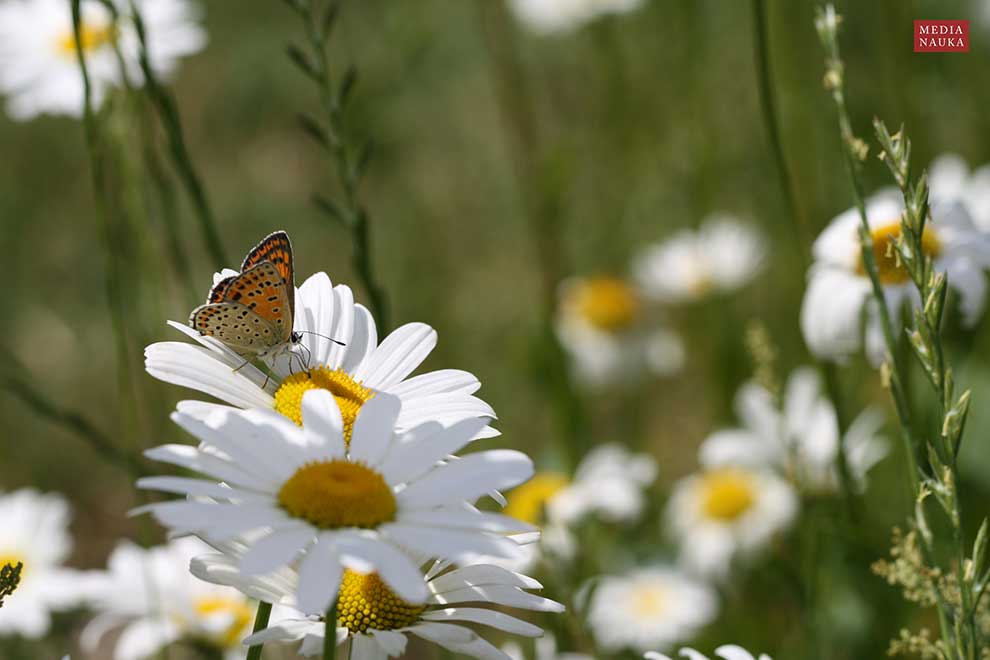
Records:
x=263, y=291
x=277, y=249
x=219, y=290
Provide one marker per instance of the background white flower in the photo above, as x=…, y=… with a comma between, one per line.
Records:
x=839, y=292
x=545, y=649
x=723, y=255
x=950, y=180
x=35, y=532
x=801, y=440
x=306, y=494
x=719, y=514
x=39, y=72
x=150, y=595
x=352, y=372
x=547, y=16
x=727, y=652
x=649, y=608
x=610, y=335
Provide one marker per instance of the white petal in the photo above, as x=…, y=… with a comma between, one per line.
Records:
x=421, y=450
x=438, y=382
x=396, y=569
x=277, y=549
x=323, y=423
x=374, y=428
x=319, y=576
x=363, y=342
x=397, y=357
x=485, y=617
x=468, y=478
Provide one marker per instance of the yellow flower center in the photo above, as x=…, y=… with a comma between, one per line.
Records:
x=365, y=602
x=13, y=558
x=349, y=393
x=607, y=303
x=727, y=494
x=889, y=265
x=238, y=611
x=527, y=502
x=332, y=494
x=91, y=37
x=648, y=601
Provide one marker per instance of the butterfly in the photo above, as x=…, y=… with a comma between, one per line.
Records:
x=252, y=312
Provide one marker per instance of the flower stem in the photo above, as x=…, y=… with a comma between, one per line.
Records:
x=260, y=623
x=330, y=633
x=168, y=114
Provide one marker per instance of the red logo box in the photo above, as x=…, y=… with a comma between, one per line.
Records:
x=941, y=36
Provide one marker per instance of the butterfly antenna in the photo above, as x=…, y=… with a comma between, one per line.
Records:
x=310, y=332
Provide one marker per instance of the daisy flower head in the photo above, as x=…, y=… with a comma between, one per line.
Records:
x=839, y=293
x=726, y=652
x=34, y=532
x=722, y=513
x=306, y=494
x=153, y=599
x=39, y=70
x=950, y=180
x=375, y=621
x=649, y=608
x=556, y=16
x=800, y=438
x=610, y=334
x=353, y=371
x=722, y=256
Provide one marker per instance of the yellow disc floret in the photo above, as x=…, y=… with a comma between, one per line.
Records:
x=888, y=261
x=727, y=494
x=527, y=502
x=648, y=601
x=349, y=393
x=607, y=303
x=332, y=494
x=91, y=37
x=365, y=602
x=235, y=610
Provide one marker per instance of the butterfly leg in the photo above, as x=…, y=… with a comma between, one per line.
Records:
x=241, y=366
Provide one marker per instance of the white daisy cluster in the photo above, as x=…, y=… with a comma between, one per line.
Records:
x=332, y=483
x=39, y=70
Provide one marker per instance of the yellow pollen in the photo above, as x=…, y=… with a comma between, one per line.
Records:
x=238, y=611
x=889, y=265
x=365, y=602
x=90, y=37
x=648, y=601
x=727, y=494
x=528, y=501
x=607, y=303
x=333, y=494
x=349, y=393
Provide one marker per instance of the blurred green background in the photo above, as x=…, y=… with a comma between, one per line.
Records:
x=641, y=124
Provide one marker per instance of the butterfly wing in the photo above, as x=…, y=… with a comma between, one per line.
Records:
x=263, y=291
x=276, y=249
x=237, y=326
x=219, y=289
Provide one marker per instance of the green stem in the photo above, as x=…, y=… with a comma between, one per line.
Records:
x=168, y=113
x=330, y=633
x=771, y=118
x=260, y=623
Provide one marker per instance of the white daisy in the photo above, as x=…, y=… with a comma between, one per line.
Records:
x=375, y=621
x=610, y=335
x=950, y=180
x=545, y=648
x=727, y=652
x=719, y=514
x=549, y=16
x=353, y=373
x=801, y=440
x=723, y=255
x=153, y=598
x=307, y=494
x=35, y=532
x=649, y=608
x=839, y=292
x=39, y=72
